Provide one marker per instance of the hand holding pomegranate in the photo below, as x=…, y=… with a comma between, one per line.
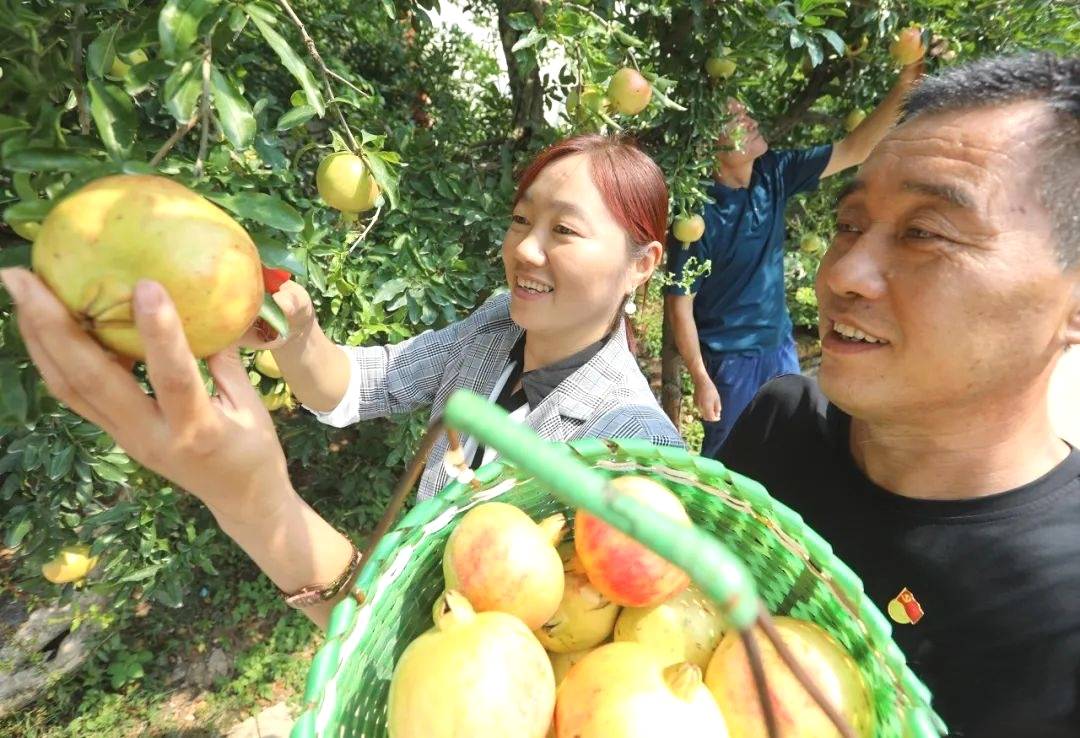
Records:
x=222, y=449
x=296, y=304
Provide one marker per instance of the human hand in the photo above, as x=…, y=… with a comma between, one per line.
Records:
x=222, y=448
x=707, y=399
x=296, y=304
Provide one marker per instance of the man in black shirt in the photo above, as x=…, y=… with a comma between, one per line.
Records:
x=927, y=457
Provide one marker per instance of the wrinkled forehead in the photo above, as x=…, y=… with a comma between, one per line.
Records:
x=991, y=152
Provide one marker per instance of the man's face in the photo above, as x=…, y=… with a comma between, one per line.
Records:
x=740, y=139
x=944, y=258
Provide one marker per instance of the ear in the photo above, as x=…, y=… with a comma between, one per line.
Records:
x=1072, y=326
x=644, y=266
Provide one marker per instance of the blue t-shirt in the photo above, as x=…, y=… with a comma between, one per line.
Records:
x=740, y=305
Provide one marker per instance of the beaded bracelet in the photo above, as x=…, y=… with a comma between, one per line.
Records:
x=314, y=594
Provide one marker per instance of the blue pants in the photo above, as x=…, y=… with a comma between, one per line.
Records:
x=738, y=376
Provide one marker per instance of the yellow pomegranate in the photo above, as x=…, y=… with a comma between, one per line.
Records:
x=585, y=617
x=345, y=183
x=96, y=244
x=281, y=397
x=473, y=674
x=688, y=228
x=688, y=627
x=629, y=92
x=625, y=571
x=71, y=564
x=622, y=690
x=731, y=683
x=561, y=663
x=267, y=365
x=501, y=560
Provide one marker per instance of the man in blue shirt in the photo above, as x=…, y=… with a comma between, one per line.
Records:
x=732, y=328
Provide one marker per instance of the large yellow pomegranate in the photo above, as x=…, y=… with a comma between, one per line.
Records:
x=501, y=560
x=96, y=244
x=687, y=627
x=585, y=617
x=71, y=564
x=833, y=670
x=623, y=570
x=622, y=690
x=473, y=674
x=345, y=183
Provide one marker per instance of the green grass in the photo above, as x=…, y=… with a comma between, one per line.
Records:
x=125, y=689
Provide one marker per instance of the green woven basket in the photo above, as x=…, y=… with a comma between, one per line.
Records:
x=767, y=552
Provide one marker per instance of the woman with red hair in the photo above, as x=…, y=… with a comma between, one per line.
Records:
x=588, y=219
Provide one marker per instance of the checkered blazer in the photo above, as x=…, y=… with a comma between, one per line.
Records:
x=608, y=397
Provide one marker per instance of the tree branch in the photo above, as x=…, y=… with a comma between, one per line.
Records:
x=204, y=111
x=370, y=225
x=77, y=59
x=326, y=73
x=181, y=131
x=526, y=89
x=822, y=75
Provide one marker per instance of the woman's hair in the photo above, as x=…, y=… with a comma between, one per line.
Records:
x=630, y=183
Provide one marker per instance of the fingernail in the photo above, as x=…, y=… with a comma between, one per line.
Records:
x=149, y=296
x=13, y=282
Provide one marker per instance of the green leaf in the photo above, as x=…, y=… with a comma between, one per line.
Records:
x=814, y=49
x=16, y=535
x=109, y=473
x=292, y=62
x=834, y=39
x=234, y=113
x=28, y=211
x=390, y=289
x=178, y=24
x=532, y=38
x=274, y=253
x=114, y=115
x=380, y=170
x=273, y=315
x=49, y=160
x=295, y=117
x=10, y=124
x=389, y=9
x=521, y=21
x=141, y=75
x=15, y=256
x=182, y=90
x=140, y=574
x=12, y=396
x=101, y=52
x=60, y=463
x=269, y=210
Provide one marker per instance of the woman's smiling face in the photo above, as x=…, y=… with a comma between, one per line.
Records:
x=569, y=263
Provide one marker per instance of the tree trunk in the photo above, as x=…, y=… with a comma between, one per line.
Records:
x=526, y=90
x=670, y=374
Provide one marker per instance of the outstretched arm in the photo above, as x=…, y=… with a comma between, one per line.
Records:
x=222, y=448
x=852, y=150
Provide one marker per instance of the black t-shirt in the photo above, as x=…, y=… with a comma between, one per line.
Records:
x=997, y=578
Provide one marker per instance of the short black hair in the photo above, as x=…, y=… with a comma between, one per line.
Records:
x=1000, y=80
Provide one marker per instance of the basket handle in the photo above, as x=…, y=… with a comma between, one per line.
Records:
x=397, y=498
